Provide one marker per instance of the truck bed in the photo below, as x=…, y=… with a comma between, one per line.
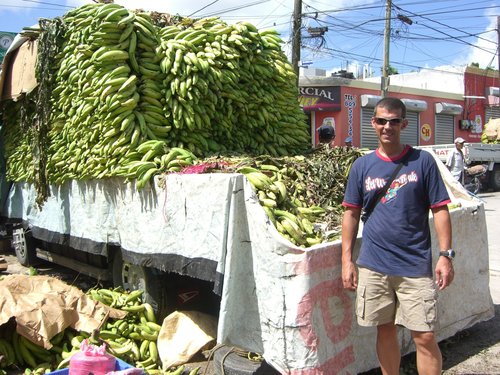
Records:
x=473, y=152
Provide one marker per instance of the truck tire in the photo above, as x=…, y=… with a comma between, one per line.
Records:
x=134, y=277
x=230, y=361
x=494, y=181
x=24, y=247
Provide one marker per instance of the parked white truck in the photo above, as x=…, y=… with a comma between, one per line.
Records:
x=487, y=154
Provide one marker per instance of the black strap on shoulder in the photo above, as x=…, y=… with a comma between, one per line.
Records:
x=369, y=208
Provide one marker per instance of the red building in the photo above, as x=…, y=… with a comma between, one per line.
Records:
x=435, y=117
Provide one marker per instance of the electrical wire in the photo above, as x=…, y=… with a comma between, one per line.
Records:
x=44, y=3
x=206, y=6
x=442, y=24
x=345, y=26
x=236, y=8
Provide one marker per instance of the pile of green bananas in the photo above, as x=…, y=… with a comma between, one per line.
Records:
x=302, y=194
x=292, y=219
x=120, y=79
x=132, y=339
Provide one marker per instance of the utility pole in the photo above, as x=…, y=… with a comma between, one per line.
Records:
x=498, y=47
x=296, y=40
x=387, y=38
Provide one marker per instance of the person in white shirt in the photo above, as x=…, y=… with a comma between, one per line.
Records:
x=456, y=162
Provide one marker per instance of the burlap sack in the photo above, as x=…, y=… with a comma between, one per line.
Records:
x=492, y=129
x=183, y=334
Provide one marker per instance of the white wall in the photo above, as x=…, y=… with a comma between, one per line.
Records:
x=436, y=80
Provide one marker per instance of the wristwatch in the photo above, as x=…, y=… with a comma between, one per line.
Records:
x=450, y=254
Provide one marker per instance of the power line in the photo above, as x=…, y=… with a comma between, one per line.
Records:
x=27, y=7
x=342, y=26
x=233, y=9
x=206, y=6
x=44, y=3
x=442, y=24
x=331, y=51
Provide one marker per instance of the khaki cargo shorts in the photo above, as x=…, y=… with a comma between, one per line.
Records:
x=407, y=301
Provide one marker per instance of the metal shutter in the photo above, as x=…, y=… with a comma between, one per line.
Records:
x=491, y=112
x=369, y=138
x=409, y=135
x=444, y=129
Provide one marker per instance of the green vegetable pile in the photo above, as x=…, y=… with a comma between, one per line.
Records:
x=132, y=339
x=301, y=194
x=133, y=94
x=113, y=79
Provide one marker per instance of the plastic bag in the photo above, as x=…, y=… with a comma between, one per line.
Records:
x=91, y=359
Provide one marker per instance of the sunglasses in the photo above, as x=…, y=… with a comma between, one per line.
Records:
x=383, y=121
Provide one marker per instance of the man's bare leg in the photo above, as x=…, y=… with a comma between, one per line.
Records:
x=388, y=351
x=429, y=360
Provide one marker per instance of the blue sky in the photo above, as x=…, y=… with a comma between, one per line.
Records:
x=434, y=34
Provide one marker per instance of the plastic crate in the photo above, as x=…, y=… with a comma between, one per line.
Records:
x=119, y=365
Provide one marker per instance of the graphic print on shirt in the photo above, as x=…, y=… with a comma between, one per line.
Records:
x=395, y=186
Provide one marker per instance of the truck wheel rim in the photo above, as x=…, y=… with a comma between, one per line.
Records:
x=133, y=277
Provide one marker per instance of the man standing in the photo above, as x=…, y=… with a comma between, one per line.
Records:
x=348, y=142
x=395, y=284
x=455, y=161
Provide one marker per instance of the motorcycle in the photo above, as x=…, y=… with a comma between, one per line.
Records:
x=473, y=178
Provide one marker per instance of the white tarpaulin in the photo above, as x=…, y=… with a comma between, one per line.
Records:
x=280, y=300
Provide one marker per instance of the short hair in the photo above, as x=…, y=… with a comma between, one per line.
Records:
x=391, y=104
x=326, y=133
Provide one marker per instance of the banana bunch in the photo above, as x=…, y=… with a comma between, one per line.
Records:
x=134, y=338
x=233, y=82
x=301, y=194
x=118, y=80
x=19, y=352
x=17, y=146
x=290, y=218
x=7, y=354
x=153, y=157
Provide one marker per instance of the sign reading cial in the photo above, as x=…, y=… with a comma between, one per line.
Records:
x=315, y=98
x=6, y=39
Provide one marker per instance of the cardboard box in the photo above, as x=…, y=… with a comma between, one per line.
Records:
x=18, y=71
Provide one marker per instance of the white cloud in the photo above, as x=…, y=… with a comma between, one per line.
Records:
x=485, y=53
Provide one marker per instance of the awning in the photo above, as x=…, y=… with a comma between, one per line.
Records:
x=448, y=108
x=412, y=105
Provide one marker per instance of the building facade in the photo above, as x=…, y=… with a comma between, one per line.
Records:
x=435, y=116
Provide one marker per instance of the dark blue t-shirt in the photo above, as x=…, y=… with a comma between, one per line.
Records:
x=396, y=236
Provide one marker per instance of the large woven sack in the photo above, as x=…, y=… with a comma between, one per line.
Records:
x=492, y=129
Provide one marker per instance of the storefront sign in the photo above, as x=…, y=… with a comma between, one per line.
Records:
x=350, y=103
x=425, y=132
x=316, y=98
